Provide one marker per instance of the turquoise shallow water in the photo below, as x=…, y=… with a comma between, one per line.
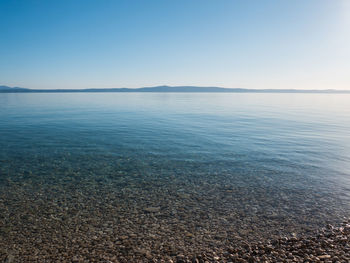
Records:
x=306, y=135
x=225, y=166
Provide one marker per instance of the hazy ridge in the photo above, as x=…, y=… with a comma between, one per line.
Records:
x=192, y=89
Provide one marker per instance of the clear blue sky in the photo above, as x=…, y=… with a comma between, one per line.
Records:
x=103, y=44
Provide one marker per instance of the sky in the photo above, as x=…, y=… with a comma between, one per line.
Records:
x=234, y=44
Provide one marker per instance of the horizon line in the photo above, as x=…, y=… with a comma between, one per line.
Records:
x=169, y=89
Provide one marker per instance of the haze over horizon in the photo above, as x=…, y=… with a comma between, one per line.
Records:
x=232, y=44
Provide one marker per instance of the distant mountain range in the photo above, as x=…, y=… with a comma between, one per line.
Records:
x=193, y=89
x=11, y=89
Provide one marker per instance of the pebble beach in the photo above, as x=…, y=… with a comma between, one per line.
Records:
x=41, y=223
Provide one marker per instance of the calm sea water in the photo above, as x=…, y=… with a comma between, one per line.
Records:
x=237, y=164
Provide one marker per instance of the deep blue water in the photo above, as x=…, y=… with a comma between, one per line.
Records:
x=279, y=158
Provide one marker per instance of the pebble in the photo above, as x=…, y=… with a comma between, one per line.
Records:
x=324, y=257
x=152, y=209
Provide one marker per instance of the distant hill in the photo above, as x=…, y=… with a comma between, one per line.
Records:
x=183, y=89
x=190, y=89
x=10, y=89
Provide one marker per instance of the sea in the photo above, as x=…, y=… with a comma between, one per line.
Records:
x=169, y=172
